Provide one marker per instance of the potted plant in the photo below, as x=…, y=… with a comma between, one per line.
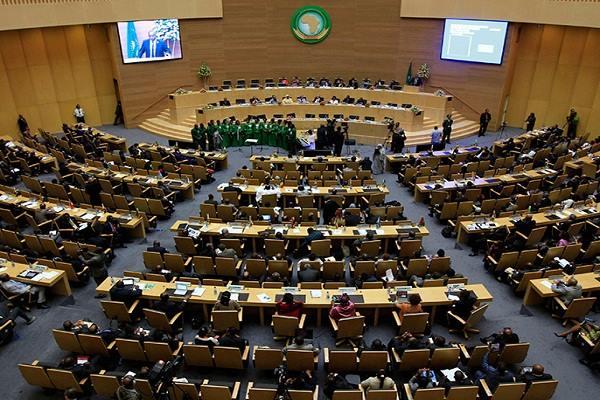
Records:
x=204, y=73
x=424, y=73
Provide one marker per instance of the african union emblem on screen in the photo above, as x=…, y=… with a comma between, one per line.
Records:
x=310, y=24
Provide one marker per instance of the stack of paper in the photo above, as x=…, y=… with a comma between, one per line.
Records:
x=316, y=293
x=262, y=297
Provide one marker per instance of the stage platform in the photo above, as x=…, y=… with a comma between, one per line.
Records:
x=162, y=125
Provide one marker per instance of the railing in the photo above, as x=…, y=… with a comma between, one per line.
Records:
x=157, y=101
x=465, y=108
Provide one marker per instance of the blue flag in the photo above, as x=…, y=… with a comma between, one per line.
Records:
x=133, y=47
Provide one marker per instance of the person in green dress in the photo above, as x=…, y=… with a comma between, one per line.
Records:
x=261, y=131
x=210, y=133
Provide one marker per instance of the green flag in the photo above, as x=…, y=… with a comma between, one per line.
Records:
x=132, y=41
x=409, y=76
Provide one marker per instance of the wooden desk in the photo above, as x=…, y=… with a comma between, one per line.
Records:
x=402, y=158
x=540, y=289
x=352, y=192
x=466, y=227
x=220, y=158
x=255, y=232
x=585, y=166
x=183, y=106
x=376, y=299
x=302, y=162
x=58, y=284
x=45, y=159
x=422, y=189
x=114, y=142
x=133, y=223
x=409, y=120
x=185, y=188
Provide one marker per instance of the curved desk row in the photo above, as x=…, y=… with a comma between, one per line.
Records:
x=183, y=106
x=375, y=299
x=311, y=116
x=471, y=226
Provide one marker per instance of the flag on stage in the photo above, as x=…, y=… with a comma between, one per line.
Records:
x=133, y=46
x=409, y=76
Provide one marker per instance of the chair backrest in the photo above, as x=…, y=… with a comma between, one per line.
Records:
x=416, y=323
x=408, y=248
x=342, y=361
x=226, y=266
x=225, y=319
x=130, y=350
x=198, y=355
x=67, y=341
x=284, y=325
x=152, y=259
x=321, y=248
x=157, y=319
x=92, y=344
x=105, y=385
x=514, y=353
x=364, y=267
x=350, y=327
x=541, y=390
x=156, y=351
x=63, y=380
x=36, y=375
x=174, y=262
x=301, y=394
x=509, y=391
x=256, y=268
x=267, y=358
x=385, y=394
x=347, y=395
x=214, y=392
x=228, y=357
x=429, y=394
x=261, y=394
x=579, y=308
x=444, y=358
x=371, y=360
x=115, y=310
x=414, y=359
x=274, y=246
x=183, y=391
x=462, y=393
x=300, y=360
x=417, y=266
x=476, y=315
x=333, y=270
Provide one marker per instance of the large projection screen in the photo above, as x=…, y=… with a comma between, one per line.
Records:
x=147, y=41
x=474, y=41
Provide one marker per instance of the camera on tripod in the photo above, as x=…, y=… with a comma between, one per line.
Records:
x=164, y=372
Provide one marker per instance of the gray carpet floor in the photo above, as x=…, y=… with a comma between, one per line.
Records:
x=533, y=325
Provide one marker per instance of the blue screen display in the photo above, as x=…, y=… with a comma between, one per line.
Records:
x=474, y=41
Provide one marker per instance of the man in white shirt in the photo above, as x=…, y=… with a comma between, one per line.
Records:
x=79, y=114
x=267, y=189
x=13, y=287
x=287, y=100
x=436, y=139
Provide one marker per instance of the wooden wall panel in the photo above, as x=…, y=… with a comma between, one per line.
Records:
x=256, y=42
x=584, y=13
x=556, y=68
x=45, y=72
x=22, y=14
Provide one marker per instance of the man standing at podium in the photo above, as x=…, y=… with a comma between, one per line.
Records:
x=484, y=120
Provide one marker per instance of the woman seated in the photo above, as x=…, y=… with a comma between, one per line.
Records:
x=345, y=308
x=412, y=307
x=289, y=307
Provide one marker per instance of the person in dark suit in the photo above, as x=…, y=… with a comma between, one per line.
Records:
x=351, y=219
x=447, y=128
x=125, y=293
x=537, y=374
x=170, y=308
x=530, y=122
x=156, y=247
x=23, y=125
x=153, y=47
x=484, y=120
x=329, y=209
